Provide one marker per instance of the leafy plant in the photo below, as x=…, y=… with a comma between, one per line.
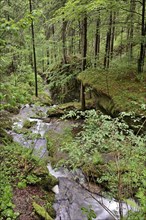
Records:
x=111, y=147
x=89, y=212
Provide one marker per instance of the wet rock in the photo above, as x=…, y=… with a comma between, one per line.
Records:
x=28, y=124
x=48, y=182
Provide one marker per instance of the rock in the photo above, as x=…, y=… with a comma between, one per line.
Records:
x=41, y=211
x=28, y=124
x=48, y=182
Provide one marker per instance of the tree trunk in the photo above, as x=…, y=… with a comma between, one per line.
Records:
x=113, y=35
x=71, y=49
x=64, y=25
x=108, y=43
x=34, y=52
x=97, y=40
x=84, y=61
x=132, y=9
x=143, y=43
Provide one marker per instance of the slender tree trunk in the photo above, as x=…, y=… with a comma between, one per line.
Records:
x=121, y=43
x=47, y=34
x=143, y=43
x=9, y=5
x=80, y=38
x=97, y=40
x=132, y=9
x=84, y=61
x=64, y=53
x=34, y=52
x=113, y=35
x=108, y=43
x=71, y=49
x=54, y=43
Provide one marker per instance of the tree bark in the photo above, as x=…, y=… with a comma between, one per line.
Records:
x=108, y=43
x=34, y=51
x=143, y=43
x=113, y=35
x=97, y=40
x=84, y=61
x=131, y=32
x=64, y=53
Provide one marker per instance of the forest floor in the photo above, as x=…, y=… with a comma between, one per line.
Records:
x=23, y=199
x=127, y=89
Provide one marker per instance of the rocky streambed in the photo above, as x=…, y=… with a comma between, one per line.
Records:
x=73, y=201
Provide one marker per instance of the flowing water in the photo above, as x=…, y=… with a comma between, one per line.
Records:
x=70, y=195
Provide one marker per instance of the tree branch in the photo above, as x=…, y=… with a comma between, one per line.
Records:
x=124, y=9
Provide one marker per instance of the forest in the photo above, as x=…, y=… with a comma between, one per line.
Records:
x=73, y=110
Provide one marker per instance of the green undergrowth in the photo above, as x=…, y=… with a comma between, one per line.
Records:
x=19, y=170
x=112, y=156
x=19, y=89
x=125, y=86
x=62, y=81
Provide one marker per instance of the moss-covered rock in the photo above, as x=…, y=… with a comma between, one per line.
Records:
x=28, y=124
x=12, y=109
x=41, y=211
x=127, y=92
x=61, y=109
x=47, y=181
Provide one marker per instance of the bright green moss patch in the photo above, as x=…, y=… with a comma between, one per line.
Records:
x=41, y=211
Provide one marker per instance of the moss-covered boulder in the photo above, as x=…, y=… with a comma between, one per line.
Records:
x=41, y=211
x=28, y=124
x=47, y=181
x=61, y=109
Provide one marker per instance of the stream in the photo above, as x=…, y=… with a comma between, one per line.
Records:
x=70, y=195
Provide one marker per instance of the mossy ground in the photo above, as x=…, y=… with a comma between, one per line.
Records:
x=24, y=179
x=126, y=88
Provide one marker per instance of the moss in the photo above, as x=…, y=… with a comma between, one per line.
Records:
x=41, y=211
x=5, y=137
x=48, y=182
x=5, y=120
x=28, y=124
x=126, y=90
x=45, y=99
x=5, y=124
x=61, y=109
x=12, y=109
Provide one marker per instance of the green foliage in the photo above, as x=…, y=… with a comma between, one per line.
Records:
x=120, y=82
x=20, y=90
x=16, y=163
x=89, y=213
x=41, y=211
x=22, y=184
x=113, y=149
